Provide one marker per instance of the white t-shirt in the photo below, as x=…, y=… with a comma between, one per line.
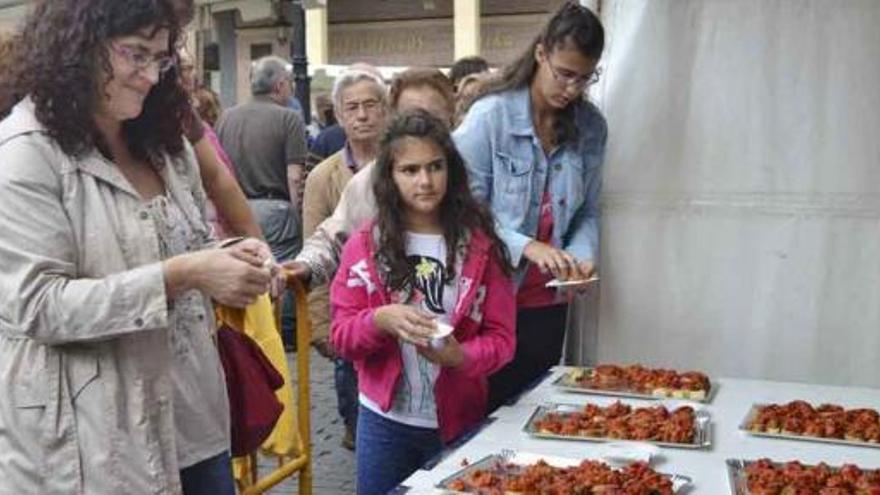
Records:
x=413, y=402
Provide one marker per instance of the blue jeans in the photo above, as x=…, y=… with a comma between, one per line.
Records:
x=210, y=477
x=288, y=319
x=388, y=452
x=345, y=380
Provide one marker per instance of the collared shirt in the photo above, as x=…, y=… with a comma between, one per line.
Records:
x=348, y=157
x=509, y=169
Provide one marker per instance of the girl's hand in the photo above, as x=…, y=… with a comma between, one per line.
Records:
x=449, y=354
x=562, y=265
x=586, y=269
x=405, y=323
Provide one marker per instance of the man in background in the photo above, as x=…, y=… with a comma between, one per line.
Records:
x=466, y=66
x=360, y=103
x=266, y=141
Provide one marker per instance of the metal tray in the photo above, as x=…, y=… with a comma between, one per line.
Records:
x=736, y=474
x=679, y=482
x=744, y=426
x=702, y=425
x=565, y=382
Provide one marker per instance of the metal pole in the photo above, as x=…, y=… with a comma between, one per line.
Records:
x=225, y=25
x=298, y=57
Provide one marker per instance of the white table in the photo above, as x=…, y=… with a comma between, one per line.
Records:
x=706, y=467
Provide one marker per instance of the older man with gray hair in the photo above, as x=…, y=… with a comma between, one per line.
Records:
x=359, y=102
x=266, y=142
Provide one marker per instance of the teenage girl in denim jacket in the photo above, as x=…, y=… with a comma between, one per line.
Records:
x=534, y=147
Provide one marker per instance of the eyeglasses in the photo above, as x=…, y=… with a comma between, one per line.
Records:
x=367, y=105
x=141, y=59
x=575, y=80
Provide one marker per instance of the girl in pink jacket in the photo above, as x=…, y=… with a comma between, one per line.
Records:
x=430, y=263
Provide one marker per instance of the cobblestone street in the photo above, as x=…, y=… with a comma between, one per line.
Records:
x=332, y=465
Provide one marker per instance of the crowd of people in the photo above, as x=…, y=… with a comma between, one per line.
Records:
x=427, y=215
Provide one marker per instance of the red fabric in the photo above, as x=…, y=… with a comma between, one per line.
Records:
x=532, y=292
x=250, y=383
x=484, y=320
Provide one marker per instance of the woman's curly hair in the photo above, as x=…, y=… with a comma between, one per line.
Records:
x=460, y=212
x=57, y=60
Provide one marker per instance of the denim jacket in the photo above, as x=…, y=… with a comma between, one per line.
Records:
x=509, y=169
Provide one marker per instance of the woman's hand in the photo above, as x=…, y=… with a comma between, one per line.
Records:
x=448, y=353
x=405, y=323
x=233, y=277
x=253, y=251
x=258, y=253
x=562, y=265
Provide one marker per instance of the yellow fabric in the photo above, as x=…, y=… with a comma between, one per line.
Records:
x=257, y=322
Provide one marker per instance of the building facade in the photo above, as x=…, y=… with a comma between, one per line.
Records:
x=227, y=35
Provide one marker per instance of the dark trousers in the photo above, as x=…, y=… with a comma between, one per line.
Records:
x=346, y=382
x=210, y=477
x=540, y=334
x=288, y=320
x=388, y=452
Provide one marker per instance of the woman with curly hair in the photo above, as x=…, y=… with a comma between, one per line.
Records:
x=109, y=376
x=430, y=256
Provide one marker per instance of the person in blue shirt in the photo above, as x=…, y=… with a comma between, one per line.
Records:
x=534, y=148
x=330, y=140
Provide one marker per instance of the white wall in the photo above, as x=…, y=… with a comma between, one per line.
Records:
x=741, y=228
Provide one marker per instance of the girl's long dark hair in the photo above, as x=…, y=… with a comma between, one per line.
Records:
x=58, y=55
x=572, y=25
x=460, y=213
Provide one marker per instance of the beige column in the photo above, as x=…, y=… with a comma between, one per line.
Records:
x=317, y=46
x=467, y=28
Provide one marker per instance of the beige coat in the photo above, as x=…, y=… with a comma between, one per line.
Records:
x=324, y=187
x=322, y=249
x=84, y=355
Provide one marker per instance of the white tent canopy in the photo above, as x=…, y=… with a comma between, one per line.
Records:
x=742, y=188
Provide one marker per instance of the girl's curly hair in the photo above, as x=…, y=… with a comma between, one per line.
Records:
x=57, y=60
x=460, y=212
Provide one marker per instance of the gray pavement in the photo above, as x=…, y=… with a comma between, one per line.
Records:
x=332, y=465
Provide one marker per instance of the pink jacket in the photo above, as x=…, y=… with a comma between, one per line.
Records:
x=484, y=322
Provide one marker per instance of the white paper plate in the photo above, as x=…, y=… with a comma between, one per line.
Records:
x=628, y=452
x=570, y=283
x=443, y=330
x=526, y=458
